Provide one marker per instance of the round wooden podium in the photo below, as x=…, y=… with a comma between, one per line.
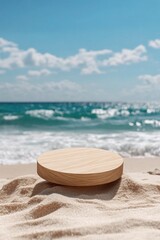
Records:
x=80, y=166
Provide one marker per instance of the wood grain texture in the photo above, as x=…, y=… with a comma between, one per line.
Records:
x=80, y=166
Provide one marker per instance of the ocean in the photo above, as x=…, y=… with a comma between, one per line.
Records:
x=28, y=129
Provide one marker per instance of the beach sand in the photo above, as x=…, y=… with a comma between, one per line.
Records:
x=31, y=208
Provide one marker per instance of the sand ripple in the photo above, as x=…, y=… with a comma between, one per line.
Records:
x=31, y=208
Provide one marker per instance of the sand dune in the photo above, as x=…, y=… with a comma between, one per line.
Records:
x=31, y=208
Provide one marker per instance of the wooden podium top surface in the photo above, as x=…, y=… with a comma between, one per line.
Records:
x=79, y=162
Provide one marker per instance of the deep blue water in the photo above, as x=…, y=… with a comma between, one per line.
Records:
x=96, y=117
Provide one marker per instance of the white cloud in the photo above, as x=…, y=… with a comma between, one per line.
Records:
x=150, y=79
x=38, y=73
x=34, y=73
x=13, y=60
x=22, y=77
x=91, y=68
x=64, y=90
x=18, y=58
x=88, y=61
x=146, y=90
x=9, y=49
x=127, y=56
x=147, y=85
x=154, y=43
x=64, y=85
x=6, y=43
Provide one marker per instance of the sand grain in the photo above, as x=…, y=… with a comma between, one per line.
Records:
x=31, y=208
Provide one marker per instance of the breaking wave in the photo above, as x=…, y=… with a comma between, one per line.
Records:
x=28, y=129
x=24, y=147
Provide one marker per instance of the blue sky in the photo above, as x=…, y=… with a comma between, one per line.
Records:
x=79, y=50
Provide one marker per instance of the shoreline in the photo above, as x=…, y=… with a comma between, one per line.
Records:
x=132, y=164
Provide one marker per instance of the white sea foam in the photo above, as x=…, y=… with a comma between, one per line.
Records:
x=111, y=112
x=138, y=124
x=40, y=113
x=136, y=112
x=125, y=113
x=99, y=111
x=85, y=119
x=10, y=117
x=155, y=123
x=103, y=114
x=24, y=147
x=149, y=110
x=61, y=118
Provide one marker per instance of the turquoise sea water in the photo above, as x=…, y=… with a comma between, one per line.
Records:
x=27, y=129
